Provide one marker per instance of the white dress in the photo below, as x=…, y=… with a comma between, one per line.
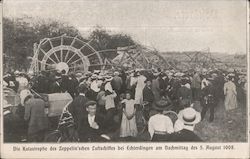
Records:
x=139, y=89
x=230, y=95
x=128, y=127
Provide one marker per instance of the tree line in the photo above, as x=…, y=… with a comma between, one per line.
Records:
x=19, y=35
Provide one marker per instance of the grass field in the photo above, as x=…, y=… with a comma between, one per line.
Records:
x=228, y=126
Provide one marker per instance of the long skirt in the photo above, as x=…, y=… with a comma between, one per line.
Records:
x=231, y=101
x=128, y=127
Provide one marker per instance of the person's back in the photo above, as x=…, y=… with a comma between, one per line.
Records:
x=35, y=114
x=186, y=136
x=148, y=94
x=116, y=83
x=185, y=124
x=77, y=107
x=43, y=83
x=184, y=92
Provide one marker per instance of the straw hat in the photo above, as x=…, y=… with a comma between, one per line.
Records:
x=16, y=72
x=189, y=116
x=94, y=76
x=97, y=71
x=116, y=73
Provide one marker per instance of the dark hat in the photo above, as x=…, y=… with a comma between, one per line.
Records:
x=148, y=79
x=162, y=105
x=91, y=102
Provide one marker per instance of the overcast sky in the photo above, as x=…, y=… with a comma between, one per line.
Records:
x=166, y=25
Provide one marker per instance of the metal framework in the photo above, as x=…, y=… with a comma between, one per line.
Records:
x=68, y=52
x=201, y=59
x=138, y=56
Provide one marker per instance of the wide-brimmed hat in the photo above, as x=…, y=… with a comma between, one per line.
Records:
x=156, y=74
x=231, y=75
x=108, y=78
x=94, y=76
x=116, y=73
x=57, y=77
x=210, y=78
x=178, y=74
x=97, y=72
x=189, y=116
x=162, y=105
x=17, y=72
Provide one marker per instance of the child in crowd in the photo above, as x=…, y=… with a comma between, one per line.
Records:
x=128, y=124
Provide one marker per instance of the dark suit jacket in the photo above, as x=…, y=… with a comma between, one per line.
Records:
x=186, y=136
x=77, y=108
x=86, y=133
x=184, y=92
x=148, y=94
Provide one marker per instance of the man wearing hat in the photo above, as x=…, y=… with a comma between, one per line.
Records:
x=117, y=84
x=78, y=76
x=94, y=87
x=184, y=94
x=56, y=84
x=156, y=88
x=184, y=126
x=42, y=82
x=148, y=96
x=160, y=126
x=209, y=99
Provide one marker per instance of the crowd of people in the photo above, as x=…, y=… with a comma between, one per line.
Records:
x=107, y=102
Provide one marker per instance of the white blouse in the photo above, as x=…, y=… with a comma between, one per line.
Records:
x=160, y=122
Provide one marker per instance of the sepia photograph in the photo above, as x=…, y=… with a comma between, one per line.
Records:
x=154, y=71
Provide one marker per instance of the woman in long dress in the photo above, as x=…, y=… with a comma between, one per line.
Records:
x=128, y=124
x=139, y=89
x=230, y=94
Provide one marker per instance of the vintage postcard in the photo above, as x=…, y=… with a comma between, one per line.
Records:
x=124, y=79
